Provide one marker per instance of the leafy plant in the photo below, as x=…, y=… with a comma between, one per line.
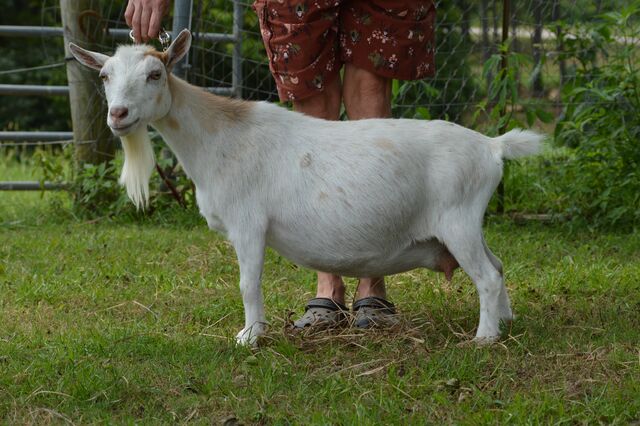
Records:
x=601, y=120
x=52, y=164
x=96, y=191
x=503, y=98
x=504, y=111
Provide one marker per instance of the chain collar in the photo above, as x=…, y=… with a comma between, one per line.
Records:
x=164, y=37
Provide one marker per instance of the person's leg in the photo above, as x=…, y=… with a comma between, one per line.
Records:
x=325, y=105
x=367, y=95
x=382, y=41
x=306, y=70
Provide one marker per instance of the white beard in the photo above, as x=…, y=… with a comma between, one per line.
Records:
x=138, y=166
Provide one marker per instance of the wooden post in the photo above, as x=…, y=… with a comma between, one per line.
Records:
x=506, y=16
x=83, y=25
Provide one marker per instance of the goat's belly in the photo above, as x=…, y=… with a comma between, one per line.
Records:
x=364, y=262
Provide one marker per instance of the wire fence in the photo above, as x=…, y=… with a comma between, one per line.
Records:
x=468, y=34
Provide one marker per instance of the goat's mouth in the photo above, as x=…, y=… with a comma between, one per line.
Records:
x=123, y=129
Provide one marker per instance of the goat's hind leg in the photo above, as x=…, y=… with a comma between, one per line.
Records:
x=466, y=244
x=506, y=314
x=250, y=249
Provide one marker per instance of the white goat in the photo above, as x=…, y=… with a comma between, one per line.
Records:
x=356, y=198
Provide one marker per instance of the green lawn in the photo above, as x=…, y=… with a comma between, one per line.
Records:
x=104, y=322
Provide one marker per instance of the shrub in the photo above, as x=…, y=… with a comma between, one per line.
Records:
x=96, y=192
x=601, y=120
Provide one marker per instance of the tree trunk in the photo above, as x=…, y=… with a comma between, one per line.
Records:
x=556, y=16
x=465, y=25
x=538, y=87
x=514, y=28
x=486, y=44
x=496, y=23
x=513, y=23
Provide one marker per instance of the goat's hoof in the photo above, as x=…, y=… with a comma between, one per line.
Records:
x=248, y=336
x=246, y=339
x=478, y=342
x=485, y=340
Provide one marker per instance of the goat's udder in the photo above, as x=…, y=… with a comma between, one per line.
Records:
x=447, y=264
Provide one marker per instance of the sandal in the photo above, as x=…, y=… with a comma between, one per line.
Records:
x=373, y=312
x=322, y=313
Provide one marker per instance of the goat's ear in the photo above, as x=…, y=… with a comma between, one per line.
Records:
x=178, y=48
x=90, y=59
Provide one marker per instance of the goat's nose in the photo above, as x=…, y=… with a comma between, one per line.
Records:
x=118, y=113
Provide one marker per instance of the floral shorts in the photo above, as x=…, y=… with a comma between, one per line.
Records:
x=307, y=41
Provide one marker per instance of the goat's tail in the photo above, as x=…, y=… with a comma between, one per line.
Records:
x=518, y=143
x=138, y=166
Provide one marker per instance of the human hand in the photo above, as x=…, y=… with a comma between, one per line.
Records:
x=145, y=17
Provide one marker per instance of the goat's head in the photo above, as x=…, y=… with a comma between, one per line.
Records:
x=135, y=81
x=136, y=84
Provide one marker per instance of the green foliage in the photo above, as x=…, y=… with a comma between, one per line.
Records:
x=601, y=120
x=503, y=97
x=97, y=193
x=504, y=110
x=95, y=189
x=536, y=184
x=52, y=164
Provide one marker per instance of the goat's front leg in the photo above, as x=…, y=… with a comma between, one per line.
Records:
x=250, y=252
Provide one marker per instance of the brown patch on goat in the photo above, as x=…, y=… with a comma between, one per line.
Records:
x=160, y=55
x=323, y=196
x=305, y=161
x=215, y=112
x=386, y=144
x=173, y=123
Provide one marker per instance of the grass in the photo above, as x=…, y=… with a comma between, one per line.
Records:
x=106, y=322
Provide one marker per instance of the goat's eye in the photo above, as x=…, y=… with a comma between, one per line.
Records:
x=154, y=75
x=104, y=77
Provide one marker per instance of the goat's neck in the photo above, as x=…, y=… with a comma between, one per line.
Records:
x=196, y=123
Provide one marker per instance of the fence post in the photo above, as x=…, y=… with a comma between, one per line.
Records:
x=181, y=20
x=82, y=25
x=506, y=16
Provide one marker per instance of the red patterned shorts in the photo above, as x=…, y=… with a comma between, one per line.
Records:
x=307, y=41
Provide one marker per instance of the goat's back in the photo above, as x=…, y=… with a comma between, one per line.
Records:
x=355, y=186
